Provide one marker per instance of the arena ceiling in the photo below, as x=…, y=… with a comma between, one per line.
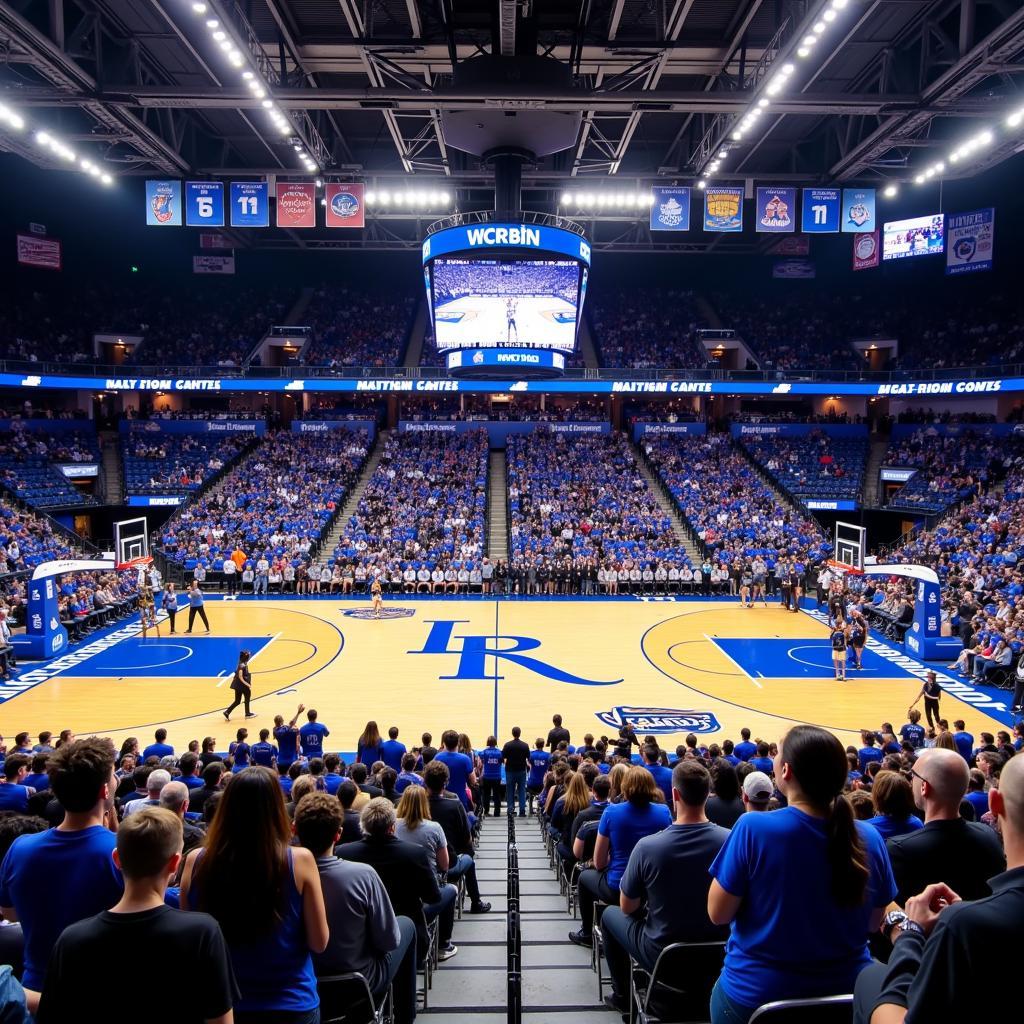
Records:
x=144, y=88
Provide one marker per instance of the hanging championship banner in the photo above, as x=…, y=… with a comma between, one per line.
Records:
x=671, y=209
x=820, y=212
x=776, y=210
x=865, y=250
x=790, y=245
x=213, y=264
x=34, y=251
x=794, y=270
x=858, y=210
x=970, y=240
x=204, y=204
x=163, y=204
x=723, y=208
x=296, y=204
x=345, y=205
x=250, y=204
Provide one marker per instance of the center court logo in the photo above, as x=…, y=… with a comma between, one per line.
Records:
x=659, y=721
x=474, y=650
x=385, y=613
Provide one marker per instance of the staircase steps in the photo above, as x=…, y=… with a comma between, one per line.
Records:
x=497, y=506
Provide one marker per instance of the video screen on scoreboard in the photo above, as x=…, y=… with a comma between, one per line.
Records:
x=489, y=303
x=920, y=236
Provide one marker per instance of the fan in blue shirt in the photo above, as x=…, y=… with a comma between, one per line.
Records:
x=964, y=741
x=745, y=750
x=287, y=737
x=913, y=731
x=312, y=736
x=539, y=760
x=161, y=748
x=264, y=753
x=391, y=751
x=869, y=752
x=460, y=768
x=662, y=775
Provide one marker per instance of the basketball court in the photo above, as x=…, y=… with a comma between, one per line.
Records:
x=480, y=665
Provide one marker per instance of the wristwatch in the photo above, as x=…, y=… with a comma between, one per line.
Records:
x=893, y=918
x=911, y=926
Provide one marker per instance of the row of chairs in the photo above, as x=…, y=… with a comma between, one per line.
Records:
x=678, y=989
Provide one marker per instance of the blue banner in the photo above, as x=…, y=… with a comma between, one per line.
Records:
x=323, y=426
x=204, y=204
x=250, y=204
x=663, y=429
x=461, y=359
x=499, y=431
x=858, y=210
x=756, y=430
x=163, y=204
x=671, y=209
x=970, y=241
x=490, y=238
x=256, y=427
x=154, y=500
x=723, y=208
x=829, y=504
x=776, y=210
x=820, y=211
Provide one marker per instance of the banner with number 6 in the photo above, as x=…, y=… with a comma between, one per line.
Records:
x=204, y=204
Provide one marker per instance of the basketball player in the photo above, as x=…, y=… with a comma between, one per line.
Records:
x=858, y=637
x=510, y=317
x=147, y=610
x=839, y=639
x=376, y=597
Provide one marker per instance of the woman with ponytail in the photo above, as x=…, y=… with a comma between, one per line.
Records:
x=802, y=887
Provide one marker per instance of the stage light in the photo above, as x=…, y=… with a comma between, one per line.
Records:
x=722, y=154
x=649, y=199
x=199, y=8
x=1015, y=119
x=259, y=92
x=384, y=198
x=8, y=116
x=399, y=198
x=829, y=15
x=107, y=179
x=818, y=27
x=763, y=102
x=940, y=167
x=235, y=58
x=737, y=135
x=268, y=104
x=803, y=52
x=445, y=198
x=566, y=199
x=247, y=75
x=702, y=184
x=788, y=69
x=225, y=45
x=838, y=5
x=809, y=40
x=219, y=36
x=370, y=197
x=890, y=191
x=919, y=180
x=319, y=183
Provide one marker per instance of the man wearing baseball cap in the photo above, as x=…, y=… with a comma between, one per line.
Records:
x=757, y=791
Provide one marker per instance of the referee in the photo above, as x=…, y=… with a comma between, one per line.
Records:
x=195, y=607
x=169, y=603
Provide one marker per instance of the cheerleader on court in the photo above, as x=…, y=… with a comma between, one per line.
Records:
x=839, y=640
x=376, y=597
x=858, y=637
x=147, y=611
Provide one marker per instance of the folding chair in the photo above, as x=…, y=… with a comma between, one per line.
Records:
x=597, y=948
x=683, y=974
x=823, y=1010
x=347, y=999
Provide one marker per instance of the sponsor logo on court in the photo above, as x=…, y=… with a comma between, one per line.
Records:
x=475, y=653
x=385, y=613
x=659, y=721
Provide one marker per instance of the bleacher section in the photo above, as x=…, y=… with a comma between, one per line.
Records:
x=817, y=464
x=727, y=504
x=574, y=498
x=278, y=502
x=952, y=462
x=423, y=508
x=30, y=455
x=647, y=327
x=354, y=327
x=157, y=463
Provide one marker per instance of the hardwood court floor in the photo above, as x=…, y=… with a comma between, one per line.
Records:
x=480, y=666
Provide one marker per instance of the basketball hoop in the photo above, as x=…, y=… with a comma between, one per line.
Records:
x=139, y=563
x=844, y=568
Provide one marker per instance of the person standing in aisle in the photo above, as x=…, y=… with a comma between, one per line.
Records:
x=195, y=607
x=242, y=685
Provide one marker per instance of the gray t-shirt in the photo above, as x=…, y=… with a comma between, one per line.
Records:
x=427, y=834
x=669, y=871
x=362, y=923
